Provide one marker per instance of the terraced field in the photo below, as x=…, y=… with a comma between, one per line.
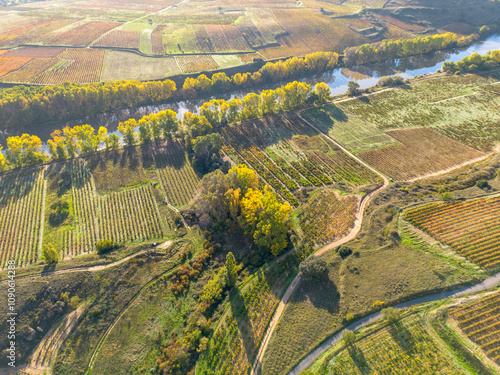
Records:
x=471, y=228
x=403, y=348
x=326, y=216
x=480, y=321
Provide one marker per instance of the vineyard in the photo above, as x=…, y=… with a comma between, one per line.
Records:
x=130, y=215
x=21, y=208
x=9, y=64
x=266, y=23
x=286, y=160
x=75, y=65
x=120, y=38
x=480, y=321
x=422, y=151
x=226, y=38
x=403, y=348
x=30, y=71
x=82, y=34
x=157, y=40
x=471, y=228
x=237, y=337
x=177, y=177
x=195, y=64
x=326, y=216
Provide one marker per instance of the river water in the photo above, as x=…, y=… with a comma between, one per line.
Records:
x=337, y=79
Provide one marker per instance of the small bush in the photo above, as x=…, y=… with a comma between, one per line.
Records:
x=344, y=251
x=50, y=254
x=482, y=184
x=104, y=246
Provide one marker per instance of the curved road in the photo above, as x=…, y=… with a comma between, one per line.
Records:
x=352, y=234
x=307, y=361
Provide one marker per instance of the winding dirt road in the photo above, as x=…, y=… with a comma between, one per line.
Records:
x=352, y=234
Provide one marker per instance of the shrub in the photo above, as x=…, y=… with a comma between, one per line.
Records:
x=313, y=268
x=482, y=184
x=344, y=251
x=50, y=254
x=104, y=246
x=391, y=315
x=348, y=337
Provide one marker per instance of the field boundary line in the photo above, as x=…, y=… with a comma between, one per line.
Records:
x=352, y=234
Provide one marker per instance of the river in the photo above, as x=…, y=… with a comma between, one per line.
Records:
x=337, y=79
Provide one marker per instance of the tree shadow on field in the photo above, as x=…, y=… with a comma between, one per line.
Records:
x=322, y=295
x=169, y=154
x=358, y=358
x=401, y=336
x=240, y=313
x=147, y=156
x=363, y=98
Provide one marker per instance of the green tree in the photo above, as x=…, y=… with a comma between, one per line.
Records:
x=313, y=269
x=24, y=150
x=232, y=270
x=50, y=254
x=206, y=150
x=390, y=314
x=322, y=92
x=349, y=337
x=353, y=88
x=112, y=142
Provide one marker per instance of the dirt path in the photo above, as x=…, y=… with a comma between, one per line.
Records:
x=352, y=234
x=43, y=357
x=98, y=267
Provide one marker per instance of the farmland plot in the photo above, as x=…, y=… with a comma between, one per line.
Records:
x=177, y=177
x=326, y=216
x=462, y=107
x=287, y=154
x=403, y=348
x=9, y=64
x=422, y=151
x=75, y=65
x=480, y=321
x=267, y=24
x=21, y=207
x=226, y=38
x=30, y=71
x=120, y=38
x=196, y=63
x=471, y=228
x=81, y=34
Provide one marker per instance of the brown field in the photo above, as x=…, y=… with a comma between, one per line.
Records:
x=309, y=31
x=394, y=32
x=121, y=39
x=401, y=24
x=422, y=151
x=30, y=71
x=2, y=51
x=22, y=34
x=9, y=64
x=193, y=64
x=157, y=40
x=226, y=38
x=267, y=24
x=459, y=28
x=82, y=34
x=249, y=57
x=480, y=321
x=35, y=52
x=75, y=65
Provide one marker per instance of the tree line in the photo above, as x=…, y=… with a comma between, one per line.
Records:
x=196, y=130
x=473, y=63
x=393, y=49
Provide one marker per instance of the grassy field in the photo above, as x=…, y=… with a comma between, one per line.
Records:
x=123, y=65
x=469, y=227
x=347, y=129
x=464, y=108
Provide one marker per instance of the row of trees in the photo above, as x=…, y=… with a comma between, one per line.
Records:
x=473, y=63
x=22, y=105
x=392, y=49
x=235, y=199
x=271, y=72
x=195, y=129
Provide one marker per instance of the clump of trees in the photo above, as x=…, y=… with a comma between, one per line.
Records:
x=313, y=269
x=104, y=246
x=235, y=200
x=392, y=49
x=50, y=254
x=473, y=63
x=391, y=81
